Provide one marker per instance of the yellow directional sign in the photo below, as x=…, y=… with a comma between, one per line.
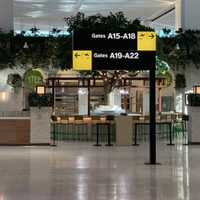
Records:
x=146, y=41
x=82, y=60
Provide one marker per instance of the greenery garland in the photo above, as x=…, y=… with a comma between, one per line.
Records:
x=55, y=50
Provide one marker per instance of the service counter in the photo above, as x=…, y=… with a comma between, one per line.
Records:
x=123, y=128
x=25, y=127
x=14, y=130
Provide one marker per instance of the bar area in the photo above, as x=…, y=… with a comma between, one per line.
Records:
x=84, y=110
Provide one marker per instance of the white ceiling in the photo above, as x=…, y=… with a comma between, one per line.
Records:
x=46, y=14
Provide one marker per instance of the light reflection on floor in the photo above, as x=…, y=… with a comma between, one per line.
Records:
x=77, y=171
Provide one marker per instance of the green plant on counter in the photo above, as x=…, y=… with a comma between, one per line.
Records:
x=36, y=100
x=193, y=99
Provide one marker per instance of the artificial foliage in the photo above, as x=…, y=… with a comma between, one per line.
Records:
x=30, y=49
x=55, y=50
x=36, y=100
x=180, y=81
x=35, y=51
x=32, y=78
x=14, y=80
x=180, y=50
x=193, y=99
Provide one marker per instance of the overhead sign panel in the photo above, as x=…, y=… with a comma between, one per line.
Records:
x=102, y=41
x=146, y=41
x=82, y=60
x=114, y=51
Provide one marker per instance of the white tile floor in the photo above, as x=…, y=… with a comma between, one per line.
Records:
x=77, y=171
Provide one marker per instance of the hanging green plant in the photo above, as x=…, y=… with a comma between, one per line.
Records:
x=193, y=99
x=32, y=78
x=161, y=66
x=14, y=80
x=168, y=79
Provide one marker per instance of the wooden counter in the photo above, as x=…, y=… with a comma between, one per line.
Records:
x=14, y=130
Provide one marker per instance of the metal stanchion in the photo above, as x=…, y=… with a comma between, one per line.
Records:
x=54, y=119
x=54, y=134
x=97, y=136
x=170, y=135
x=109, y=135
x=135, y=137
x=185, y=118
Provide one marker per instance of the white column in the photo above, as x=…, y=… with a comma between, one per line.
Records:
x=115, y=98
x=187, y=14
x=124, y=128
x=6, y=15
x=146, y=102
x=193, y=128
x=83, y=101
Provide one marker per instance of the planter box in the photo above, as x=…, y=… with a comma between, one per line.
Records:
x=40, y=125
x=193, y=100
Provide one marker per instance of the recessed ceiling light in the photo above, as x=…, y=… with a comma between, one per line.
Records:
x=35, y=14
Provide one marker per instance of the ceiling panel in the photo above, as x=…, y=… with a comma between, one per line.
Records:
x=46, y=14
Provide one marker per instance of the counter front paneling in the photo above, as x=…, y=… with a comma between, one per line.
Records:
x=14, y=130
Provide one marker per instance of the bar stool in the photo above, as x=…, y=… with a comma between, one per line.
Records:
x=79, y=128
x=71, y=128
x=185, y=119
x=158, y=126
x=87, y=122
x=64, y=123
x=135, y=138
x=110, y=136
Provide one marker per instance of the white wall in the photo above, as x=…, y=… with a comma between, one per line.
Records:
x=187, y=14
x=192, y=76
x=11, y=100
x=146, y=102
x=6, y=15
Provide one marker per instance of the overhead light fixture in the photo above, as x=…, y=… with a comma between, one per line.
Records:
x=82, y=91
x=26, y=45
x=177, y=46
x=124, y=91
x=40, y=89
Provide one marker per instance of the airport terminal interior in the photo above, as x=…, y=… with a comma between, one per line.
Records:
x=99, y=100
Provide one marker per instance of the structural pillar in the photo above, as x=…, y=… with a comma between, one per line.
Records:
x=83, y=101
x=187, y=14
x=6, y=15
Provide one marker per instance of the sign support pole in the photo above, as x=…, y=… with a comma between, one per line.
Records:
x=152, y=126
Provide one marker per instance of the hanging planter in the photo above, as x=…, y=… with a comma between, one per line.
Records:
x=45, y=100
x=14, y=80
x=193, y=99
x=168, y=79
x=32, y=78
x=180, y=81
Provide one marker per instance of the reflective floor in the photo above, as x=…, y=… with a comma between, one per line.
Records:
x=77, y=171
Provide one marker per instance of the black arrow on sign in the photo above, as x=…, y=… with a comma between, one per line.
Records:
x=76, y=55
x=142, y=35
x=152, y=36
